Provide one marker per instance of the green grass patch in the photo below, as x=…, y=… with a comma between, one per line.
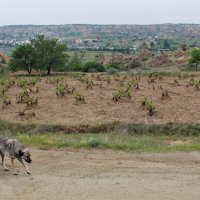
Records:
x=115, y=136
x=113, y=141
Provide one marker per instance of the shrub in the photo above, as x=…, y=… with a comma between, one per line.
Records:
x=90, y=84
x=144, y=59
x=197, y=85
x=22, y=96
x=55, y=80
x=70, y=89
x=108, y=79
x=93, y=67
x=60, y=90
x=35, y=89
x=79, y=97
x=135, y=64
x=6, y=100
x=116, y=96
x=160, y=87
x=94, y=143
x=151, y=80
x=151, y=108
x=113, y=64
x=149, y=105
x=136, y=82
x=22, y=112
x=192, y=82
x=11, y=82
x=112, y=71
x=28, y=84
x=21, y=83
x=31, y=101
x=3, y=90
x=165, y=93
x=122, y=92
x=175, y=83
x=75, y=63
x=144, y=101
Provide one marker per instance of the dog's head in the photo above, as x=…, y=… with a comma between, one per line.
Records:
x=25, y=154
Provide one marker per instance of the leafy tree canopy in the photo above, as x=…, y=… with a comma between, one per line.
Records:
x=42, y=53
x=75, y=63
x=50, y=53
x=195, y=56
x=23, y=58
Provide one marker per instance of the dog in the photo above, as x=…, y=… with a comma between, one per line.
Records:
x=14, y=150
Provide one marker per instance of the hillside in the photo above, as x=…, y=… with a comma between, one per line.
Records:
x=188, y=33
x=179, y=30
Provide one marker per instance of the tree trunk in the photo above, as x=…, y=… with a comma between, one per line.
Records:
x=48, y=71
x=29, y=71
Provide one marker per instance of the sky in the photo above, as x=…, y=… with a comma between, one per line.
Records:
x=43, y=12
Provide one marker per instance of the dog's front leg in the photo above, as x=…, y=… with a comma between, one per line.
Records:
x=13, y=167
x=25, y=166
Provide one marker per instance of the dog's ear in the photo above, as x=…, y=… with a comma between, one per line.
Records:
x=21, y=153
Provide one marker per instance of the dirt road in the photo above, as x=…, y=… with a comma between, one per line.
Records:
x=104, y=175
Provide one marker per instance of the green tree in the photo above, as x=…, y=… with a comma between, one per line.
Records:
x=50, y=53
x=75, y=63
x=113, y=63
x=23, y=58
x=152, y=46
x=166, y=44
x=195, y=57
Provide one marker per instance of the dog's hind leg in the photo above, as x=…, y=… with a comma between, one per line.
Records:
x=3, y=161
x=13, y=167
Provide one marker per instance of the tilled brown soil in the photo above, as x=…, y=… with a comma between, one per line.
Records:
x=104, y=175
x=182, y=105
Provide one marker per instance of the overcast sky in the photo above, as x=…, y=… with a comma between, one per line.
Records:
x=14, y=12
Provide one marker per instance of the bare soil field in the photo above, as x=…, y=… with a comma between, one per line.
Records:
x=83, y=174
x=182, y=104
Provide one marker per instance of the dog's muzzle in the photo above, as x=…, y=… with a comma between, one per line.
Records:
x=28, y=160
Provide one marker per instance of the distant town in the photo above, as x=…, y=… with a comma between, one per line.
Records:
x=116, y=38
x=12, y=42
x=79, y=44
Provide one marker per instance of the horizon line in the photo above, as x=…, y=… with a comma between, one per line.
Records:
x=93, y=24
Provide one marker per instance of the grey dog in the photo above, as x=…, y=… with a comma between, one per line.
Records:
x=14, y=150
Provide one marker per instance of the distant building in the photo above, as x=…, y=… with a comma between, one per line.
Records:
x=86, y=43
x=164, y=50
